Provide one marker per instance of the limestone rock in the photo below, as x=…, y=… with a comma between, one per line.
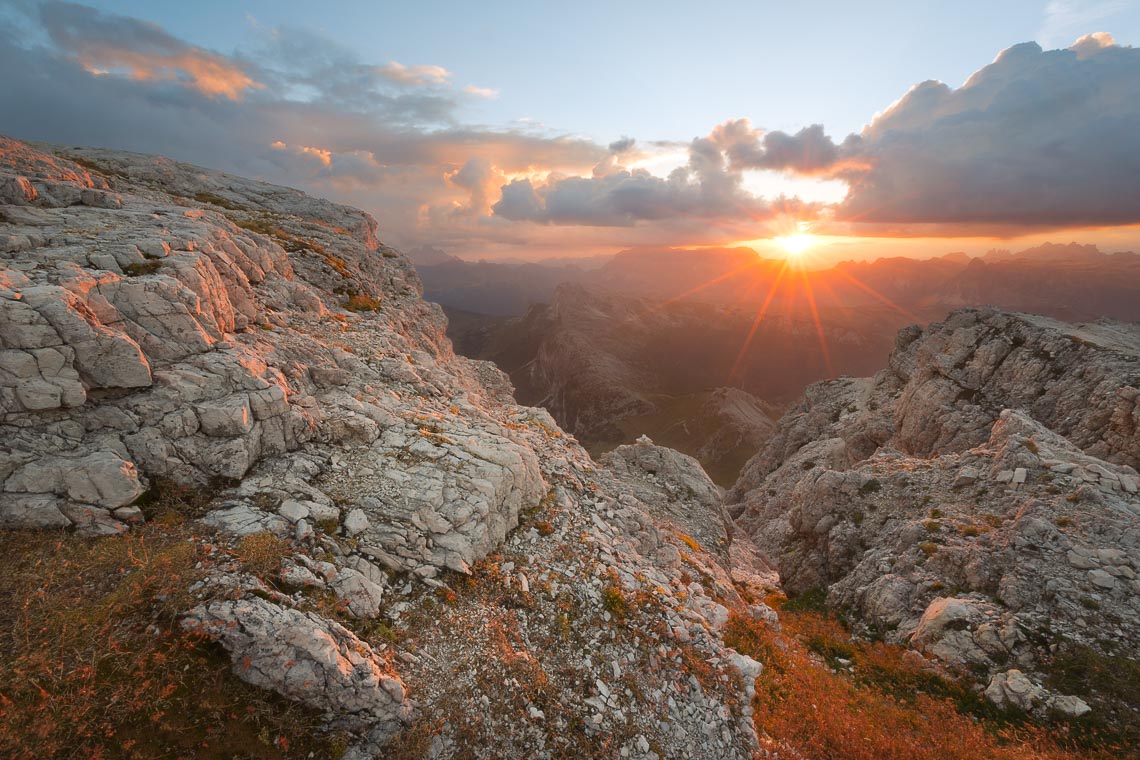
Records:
x=307, y=658
x=1013, y=689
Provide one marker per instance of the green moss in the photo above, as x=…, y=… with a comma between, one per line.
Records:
x=813, y=600
x=217, y=200
x=141, y=268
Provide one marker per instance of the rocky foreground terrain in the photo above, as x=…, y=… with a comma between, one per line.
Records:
x=373, y=530
x=162, y=322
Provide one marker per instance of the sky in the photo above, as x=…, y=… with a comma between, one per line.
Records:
x=529, y=130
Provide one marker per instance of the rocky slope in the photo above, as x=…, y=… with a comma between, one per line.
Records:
x=164, y=323
x=977, y=499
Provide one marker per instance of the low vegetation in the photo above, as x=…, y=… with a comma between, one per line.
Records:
x=823, y=694
x=141, y=268
x=94, y=664
x=357, y=303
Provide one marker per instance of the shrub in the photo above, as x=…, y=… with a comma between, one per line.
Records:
x=261, y=553
x=217, y=200
x=614, y=601
x=141, y=268
x=359, y=303
x=892, y=707
x=690, y=542
x=814, y=599
x=928, y=548
x=170, y=502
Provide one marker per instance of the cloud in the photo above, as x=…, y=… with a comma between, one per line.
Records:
x=413, y=75
x=104, y=43
x=481, y=92
x=1065, y=19
x=709, y=187
x=807, y=151
x=624, y=145
x=1037, y=138
x=481, y=180
x=323, y=120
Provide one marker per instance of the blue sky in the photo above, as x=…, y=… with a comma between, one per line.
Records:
x=665, y=70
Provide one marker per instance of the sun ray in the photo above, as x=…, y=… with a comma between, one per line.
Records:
x=756, y=322
x=868, y=289
x=698, y=288
x=818, y=325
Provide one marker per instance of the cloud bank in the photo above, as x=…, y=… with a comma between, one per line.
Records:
x=1036, y=139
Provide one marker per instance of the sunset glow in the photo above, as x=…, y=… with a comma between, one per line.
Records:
x=796, y=244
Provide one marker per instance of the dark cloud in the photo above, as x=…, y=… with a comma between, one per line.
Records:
x=1036, y=138
x=624, y=145
x=808, y=151
x=709, y=187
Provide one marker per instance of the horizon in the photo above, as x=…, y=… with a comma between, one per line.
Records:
x=1020, y=133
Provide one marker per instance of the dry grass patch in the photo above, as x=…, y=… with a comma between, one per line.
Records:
x=892, y=708
x=94, y=664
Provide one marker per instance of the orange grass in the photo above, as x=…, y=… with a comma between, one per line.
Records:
x=93, y=663
x=892, y=708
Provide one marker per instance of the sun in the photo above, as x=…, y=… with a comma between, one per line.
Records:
x=795, y=244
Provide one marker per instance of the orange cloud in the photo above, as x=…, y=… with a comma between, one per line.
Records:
x=200, y=70
x=104, y=44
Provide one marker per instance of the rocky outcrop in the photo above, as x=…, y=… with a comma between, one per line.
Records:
x=977, y=499
x=677, y=487
x=164, y=324
x=306, y=658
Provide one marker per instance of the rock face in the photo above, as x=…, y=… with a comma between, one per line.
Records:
x=158, y=336
x=977, y=499
x=679, y=489
x=161, y=322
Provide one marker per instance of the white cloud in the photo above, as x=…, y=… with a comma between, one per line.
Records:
x=481, y=92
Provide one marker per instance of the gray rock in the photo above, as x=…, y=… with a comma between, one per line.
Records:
x=1013, y=689
x=307, y=658
x=355, y=522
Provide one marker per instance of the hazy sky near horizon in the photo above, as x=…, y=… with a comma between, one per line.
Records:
x=530, y=129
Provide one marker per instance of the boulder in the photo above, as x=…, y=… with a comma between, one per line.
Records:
x=306, y=658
